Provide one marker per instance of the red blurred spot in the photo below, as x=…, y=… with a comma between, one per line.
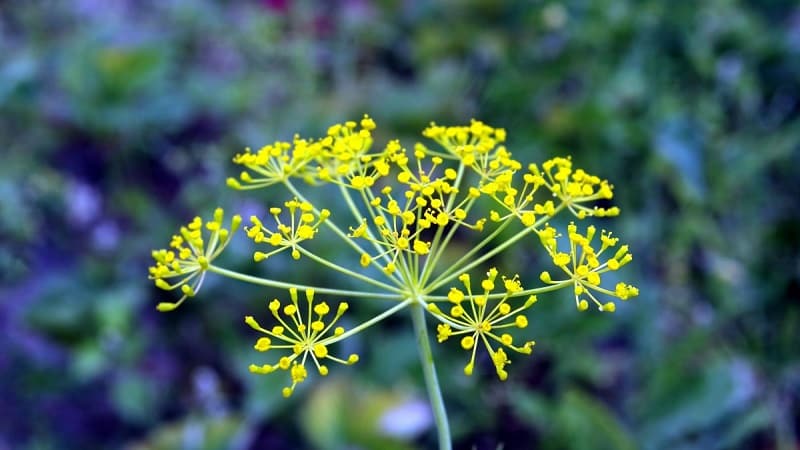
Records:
x=276, y=5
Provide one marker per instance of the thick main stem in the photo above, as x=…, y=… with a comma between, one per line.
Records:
x=431, y=381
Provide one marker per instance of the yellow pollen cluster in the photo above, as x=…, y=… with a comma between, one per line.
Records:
x=189, y=254
x=273, y=163
x=575, y=186
x=303, y=225
x=584, y=267
x=342, y=157
x=304, y=338
x=478, y=146
x=425, y=201
x=480, y=319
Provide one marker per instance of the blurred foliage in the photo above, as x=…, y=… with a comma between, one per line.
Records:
x=118, y=119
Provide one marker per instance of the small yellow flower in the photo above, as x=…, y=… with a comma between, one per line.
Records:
x=421, y=247
x=347, y=157
x=302, y=226
x=478, y=146
x=584, y=267
x=275, y=163
x=304, y=338
x=482, y=319
x=575, y=187
x=189, y=256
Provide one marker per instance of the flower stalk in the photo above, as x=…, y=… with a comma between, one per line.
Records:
x=431, y=380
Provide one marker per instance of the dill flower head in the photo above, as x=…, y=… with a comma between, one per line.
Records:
x=302, y=225
x=347, y=154
x=300, y=338
x=405, y=216
x=575, y=187
x=183, y=265
x=344, y=152
x=585, y=264
x=478, y=146
x=484, y=319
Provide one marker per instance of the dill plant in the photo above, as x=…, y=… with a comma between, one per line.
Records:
x=405, y=207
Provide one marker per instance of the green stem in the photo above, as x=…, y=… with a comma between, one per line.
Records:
x=281, y=285
x=347, y=272
x=431, y=381
x=357, y=214
x=434, y=261
x=370, y=322
x=533, y=291
x=456, y=268
x=328, y=223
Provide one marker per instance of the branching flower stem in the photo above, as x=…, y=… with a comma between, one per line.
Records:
x=329, y=223
x=361, y=327
x=458, y=266
x=523, y=293
x=348, y=272
x=282, y=285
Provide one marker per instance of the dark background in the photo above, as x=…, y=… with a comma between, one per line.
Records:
x=118, y=120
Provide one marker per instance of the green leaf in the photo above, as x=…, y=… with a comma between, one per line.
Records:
x=693, y=405
x=134, y=396
x=591, y=425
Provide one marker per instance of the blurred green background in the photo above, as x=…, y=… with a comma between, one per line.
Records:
x=118, y=120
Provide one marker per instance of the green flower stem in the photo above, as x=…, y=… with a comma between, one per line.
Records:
x=431, y=381
x=534, y=291
x=357, y=214
x=403, y=275
x=457, y=182
x=370, y=322
x=441, y=318
x=440, y=245
x=434, y=260
x=281, y=285
x=437, y=247
x=329, y=223
x=456, y=268
x=348, y=272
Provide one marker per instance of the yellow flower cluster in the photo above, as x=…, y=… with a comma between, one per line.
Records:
x=574, y=187
x=403, y=208
x=189, y=255
x=479, y=319
x=583, y=266
x=400, y=221
x=303, y=225
x=305, y=338
x=343, y=154
x=476, y=146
